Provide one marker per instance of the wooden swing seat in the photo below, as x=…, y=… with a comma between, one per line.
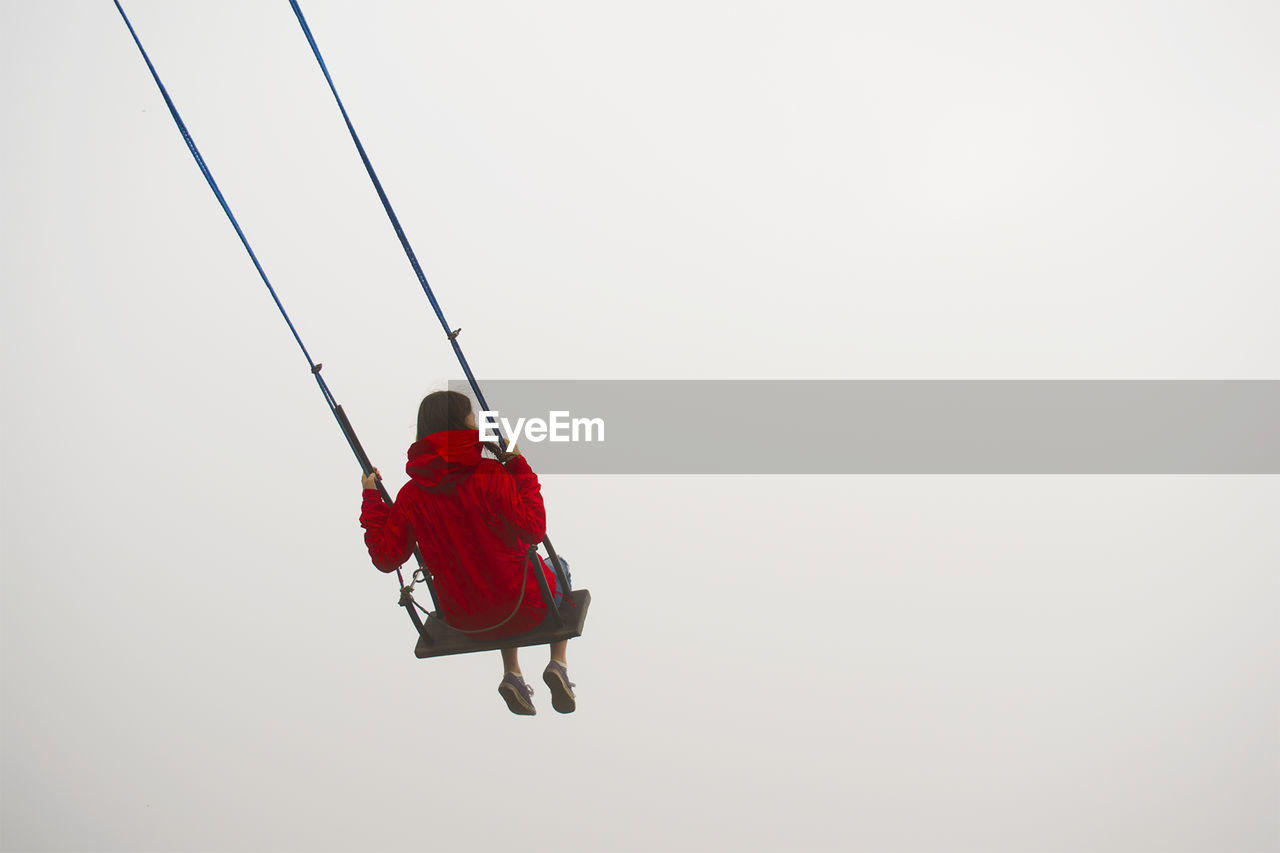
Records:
x=438, y=639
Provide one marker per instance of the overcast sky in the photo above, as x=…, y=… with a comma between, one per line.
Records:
x=197, y=654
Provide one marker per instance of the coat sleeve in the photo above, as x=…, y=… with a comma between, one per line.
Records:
x=387, y=532
x=516, y=499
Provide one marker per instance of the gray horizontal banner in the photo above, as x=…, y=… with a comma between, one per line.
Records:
x=890, y=427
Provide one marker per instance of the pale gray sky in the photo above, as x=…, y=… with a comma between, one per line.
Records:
x=197, y=654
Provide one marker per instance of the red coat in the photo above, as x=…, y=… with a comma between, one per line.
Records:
x=473, y=520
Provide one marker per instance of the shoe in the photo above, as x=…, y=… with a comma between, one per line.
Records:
x=519, y=695
x=556, y=676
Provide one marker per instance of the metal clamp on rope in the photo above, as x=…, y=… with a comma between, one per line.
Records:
x=316, y=369
x=453, y=336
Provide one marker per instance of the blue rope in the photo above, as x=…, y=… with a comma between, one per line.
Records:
x=213, y=185
x=391, y=214
x=404, y=241
x=195, y=152
x=344, y=424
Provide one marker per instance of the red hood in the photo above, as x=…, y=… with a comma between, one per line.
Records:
x=443, y=459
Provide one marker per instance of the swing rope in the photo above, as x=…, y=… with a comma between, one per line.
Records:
x=408, y=250
x=335, y=409
x=452, y=335
x=343, y=422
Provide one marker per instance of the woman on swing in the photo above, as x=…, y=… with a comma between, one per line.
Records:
x=475, y=521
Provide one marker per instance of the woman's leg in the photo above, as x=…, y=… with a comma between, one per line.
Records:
x=556, y=677
x=511, y=661
x=558, y=650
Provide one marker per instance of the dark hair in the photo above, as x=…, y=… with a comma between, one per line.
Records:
x=443, y=410
x=448, y=410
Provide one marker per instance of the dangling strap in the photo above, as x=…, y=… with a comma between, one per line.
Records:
x=531, y=558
